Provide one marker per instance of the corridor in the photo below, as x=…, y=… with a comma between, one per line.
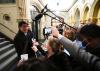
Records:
x=68, y=16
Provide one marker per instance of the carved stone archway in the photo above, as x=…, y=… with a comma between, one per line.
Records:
x=95, y=12
x=77, y=17
x=86, y=12
x=86, y=15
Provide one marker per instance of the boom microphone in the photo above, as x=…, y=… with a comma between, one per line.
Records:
x=44, y=8
x=38, y=16
x=41, y=13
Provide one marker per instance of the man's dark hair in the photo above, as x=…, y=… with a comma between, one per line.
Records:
x=37, y=65
x=21, y=23
x=90, y=30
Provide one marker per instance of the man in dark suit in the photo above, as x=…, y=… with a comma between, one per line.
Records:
x=23, y=40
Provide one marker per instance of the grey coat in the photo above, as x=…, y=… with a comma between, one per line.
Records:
x=81, y=55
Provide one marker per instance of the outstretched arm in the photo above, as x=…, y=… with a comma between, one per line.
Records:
x=83, y=56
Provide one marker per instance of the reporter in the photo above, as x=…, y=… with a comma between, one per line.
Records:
x=81, y=55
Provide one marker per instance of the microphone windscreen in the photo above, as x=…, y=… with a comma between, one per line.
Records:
x=38, y=16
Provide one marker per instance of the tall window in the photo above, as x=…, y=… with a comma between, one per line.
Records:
x=7, y=1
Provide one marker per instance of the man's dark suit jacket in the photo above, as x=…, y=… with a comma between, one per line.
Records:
x=23, y=43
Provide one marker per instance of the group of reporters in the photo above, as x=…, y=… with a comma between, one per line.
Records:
x=88, y=58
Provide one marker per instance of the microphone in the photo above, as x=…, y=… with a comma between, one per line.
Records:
x=38, y=16
x=44, y=8
x=41, y=13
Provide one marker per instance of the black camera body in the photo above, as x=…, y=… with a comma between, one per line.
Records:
x=48, y=30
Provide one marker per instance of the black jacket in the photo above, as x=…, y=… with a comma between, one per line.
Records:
x=23, y=43
x=95, y=50
x=61, y=60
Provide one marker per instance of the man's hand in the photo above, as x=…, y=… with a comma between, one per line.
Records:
x=55, y=32
x=34, y=48
x=35, y=43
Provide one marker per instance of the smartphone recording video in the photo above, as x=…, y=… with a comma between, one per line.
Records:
x=48, y=30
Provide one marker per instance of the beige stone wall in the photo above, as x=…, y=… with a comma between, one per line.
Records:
x=18, y=11
x=87, y=10
x=11, y=11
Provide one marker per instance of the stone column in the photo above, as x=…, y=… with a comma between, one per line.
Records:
x=21, y=7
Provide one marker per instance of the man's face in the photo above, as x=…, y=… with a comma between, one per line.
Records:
x=91, y=42
x=24, y=28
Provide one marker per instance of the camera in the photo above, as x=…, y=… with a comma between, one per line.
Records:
x=48, y=30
